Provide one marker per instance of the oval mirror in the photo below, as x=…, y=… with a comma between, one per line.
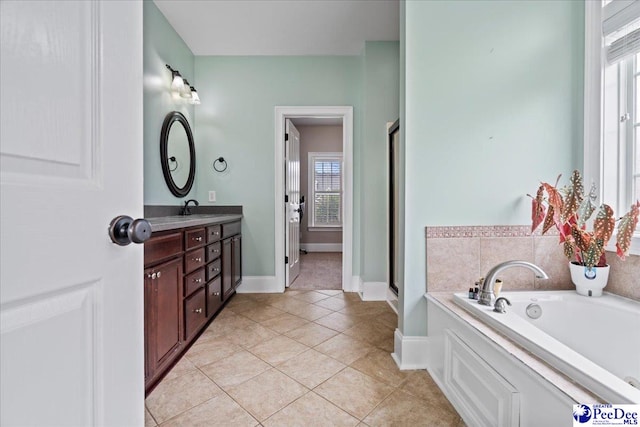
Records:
x=177, y=154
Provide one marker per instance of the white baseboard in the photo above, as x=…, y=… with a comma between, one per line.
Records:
x=392, y=300
x=259, y=284
x=374, y=291
x=354, y=286
x=410, y=352
x=321, y=247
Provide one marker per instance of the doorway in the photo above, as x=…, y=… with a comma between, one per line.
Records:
x=283, y=209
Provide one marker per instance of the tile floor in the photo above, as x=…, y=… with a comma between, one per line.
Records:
x=302, y=358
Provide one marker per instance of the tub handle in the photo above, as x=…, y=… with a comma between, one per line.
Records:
x=499, y=306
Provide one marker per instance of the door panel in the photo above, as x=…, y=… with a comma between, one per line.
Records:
x=71, y=302
x=292, y=189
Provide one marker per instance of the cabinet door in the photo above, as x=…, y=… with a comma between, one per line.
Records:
x=237, y=260
x=227, y=268
x=163, y=314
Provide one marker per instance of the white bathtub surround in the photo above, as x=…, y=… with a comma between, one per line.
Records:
x=591, y=340
x=490, y=380
x=589, y=281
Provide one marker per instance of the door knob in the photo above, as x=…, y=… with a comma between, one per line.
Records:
x=124, y=230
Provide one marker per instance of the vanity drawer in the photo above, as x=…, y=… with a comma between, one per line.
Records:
x=213, y=251
x=214, y=295
x=162, y=247
x=230, y=229
x=213, y=233
x=194, y=281
x=213, y=269
x=194, y=238
x=193, y=260
x=194, y=313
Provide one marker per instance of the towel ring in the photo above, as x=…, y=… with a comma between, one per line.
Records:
x=223, y=164
x=173, y=159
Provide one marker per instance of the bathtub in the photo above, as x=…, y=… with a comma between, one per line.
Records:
x=594, y=341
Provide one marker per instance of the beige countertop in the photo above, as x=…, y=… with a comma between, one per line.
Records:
x=165, y=223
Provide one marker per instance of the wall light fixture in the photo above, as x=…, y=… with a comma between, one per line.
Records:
x=182, y=87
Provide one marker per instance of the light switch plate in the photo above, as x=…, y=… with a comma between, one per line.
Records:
x=212, y=196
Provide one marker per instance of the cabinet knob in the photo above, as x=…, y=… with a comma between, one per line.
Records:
x=217, y=270
x=197, y=310
x=198, y=259
x=216, y=294
x=198, y=239
x=159, y=274
x=216, y=251
x=151, y=276
x=198, y=280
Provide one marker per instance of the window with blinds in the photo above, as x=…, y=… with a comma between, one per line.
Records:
x=325, y=189
x=620, y=154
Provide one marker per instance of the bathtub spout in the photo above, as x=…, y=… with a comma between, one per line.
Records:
x=487, y=292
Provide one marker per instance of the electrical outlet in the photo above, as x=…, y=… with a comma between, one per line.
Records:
x=212, y=196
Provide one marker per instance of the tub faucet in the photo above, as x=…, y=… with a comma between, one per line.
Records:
x=485, y=294
x=185, y=210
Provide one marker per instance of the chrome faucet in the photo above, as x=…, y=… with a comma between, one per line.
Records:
x=487, y=291
x=185, y=210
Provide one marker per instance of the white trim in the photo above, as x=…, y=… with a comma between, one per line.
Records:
x=592, y=94
x=346, y=113
x=311, y=159
x=392, y=300
x=354, y=285
x=410, y=352
x=374, y=291
x=259, y=285
x=321, y=247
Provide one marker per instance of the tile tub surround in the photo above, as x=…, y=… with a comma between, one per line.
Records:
x=457, y=256
x=281, y=369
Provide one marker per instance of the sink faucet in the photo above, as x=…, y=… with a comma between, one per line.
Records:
x=185, y=210
x=485, y=295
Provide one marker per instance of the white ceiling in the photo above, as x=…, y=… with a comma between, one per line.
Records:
x=281, y=27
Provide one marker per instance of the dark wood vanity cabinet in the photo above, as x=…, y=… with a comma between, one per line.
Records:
x=189, y=274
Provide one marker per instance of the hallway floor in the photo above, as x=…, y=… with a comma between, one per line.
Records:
x=302, y=358
x=319, y=270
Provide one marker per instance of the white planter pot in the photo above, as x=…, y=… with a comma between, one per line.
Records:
x=589, y=281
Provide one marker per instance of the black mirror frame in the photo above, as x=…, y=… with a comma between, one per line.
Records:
x=170, y=118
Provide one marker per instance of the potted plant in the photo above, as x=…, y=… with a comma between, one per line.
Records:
x=584, y=238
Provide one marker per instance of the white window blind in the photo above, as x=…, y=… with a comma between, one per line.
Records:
x=621, y=29
x=325, y=182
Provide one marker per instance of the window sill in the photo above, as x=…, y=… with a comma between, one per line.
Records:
x=325, y=228
x=633, y=250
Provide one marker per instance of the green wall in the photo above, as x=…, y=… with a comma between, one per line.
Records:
x=380, y=106
x=236, y=120
x=162, y=45
x=493, y=105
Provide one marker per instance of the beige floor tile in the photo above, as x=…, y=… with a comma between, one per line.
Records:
x=336, y=321
x=267, y=393
x=205, y=352
x=294, y=292
x=330, y=292
x=284, y=323
x=311, y=410
x=148, y=419
x=235, y=369
x=311, y=368
x=366, y=308
x=243, y=306
x=251, y=335
x=374, y=333
x=278, y=349
x=420, y=384
x=380, y=365
x=354, y=392
x=223, y=325
x=311, y=334
x=288, y=304
x=239, y=299
x=403, y=409
x=311, y=296
x=220, y=411
x=344, y=348
x=262, y=313
x=175, y=396
x=388, y=318
x=310, y=311
x=333, y=303
x=182, y=367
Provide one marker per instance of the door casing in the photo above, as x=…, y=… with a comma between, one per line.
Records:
x=346, y=113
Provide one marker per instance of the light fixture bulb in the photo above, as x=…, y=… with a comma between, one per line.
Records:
x=177, y=84
x=195, y=99
x=186, y=91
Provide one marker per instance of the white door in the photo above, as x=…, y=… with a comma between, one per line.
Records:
x=292, y=192
x=71, y=302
